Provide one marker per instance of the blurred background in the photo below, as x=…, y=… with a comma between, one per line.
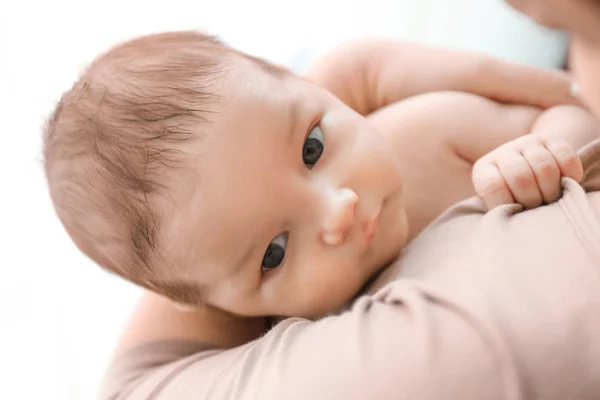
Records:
x=59, y=314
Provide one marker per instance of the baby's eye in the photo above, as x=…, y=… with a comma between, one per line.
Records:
x=275, y=252
x=313, y=147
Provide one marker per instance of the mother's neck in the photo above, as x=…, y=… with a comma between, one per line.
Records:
x=584, y=60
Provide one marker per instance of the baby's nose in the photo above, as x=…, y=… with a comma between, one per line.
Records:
x=340, y=216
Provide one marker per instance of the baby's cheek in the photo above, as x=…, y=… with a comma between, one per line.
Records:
x=318, y=281
x=338, y=282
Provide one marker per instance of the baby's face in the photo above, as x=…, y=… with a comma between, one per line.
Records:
x=297, y=200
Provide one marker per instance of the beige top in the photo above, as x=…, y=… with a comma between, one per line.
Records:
x=503, y=305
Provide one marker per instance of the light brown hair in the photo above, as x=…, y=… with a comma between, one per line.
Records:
x=112, y=140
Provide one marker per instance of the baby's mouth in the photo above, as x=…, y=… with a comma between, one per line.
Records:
x=370, y=229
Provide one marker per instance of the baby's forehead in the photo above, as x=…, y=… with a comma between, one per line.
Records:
x=247, y=72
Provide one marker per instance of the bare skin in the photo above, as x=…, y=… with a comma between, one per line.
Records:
x=581, y=18
x=455, y=141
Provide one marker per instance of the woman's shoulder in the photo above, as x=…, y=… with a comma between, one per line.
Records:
x=132, y=364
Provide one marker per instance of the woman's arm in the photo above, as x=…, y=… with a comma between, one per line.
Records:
x=157, y=318
x=369, y=74
x=399, y=341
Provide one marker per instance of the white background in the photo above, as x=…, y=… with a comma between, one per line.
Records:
x=59, y=314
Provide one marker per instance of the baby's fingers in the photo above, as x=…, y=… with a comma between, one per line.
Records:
x=566, y=157
x=520, y=178
x=490, y=185
x=546, y=170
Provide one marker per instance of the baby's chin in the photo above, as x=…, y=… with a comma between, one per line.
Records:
x=334, y=307
x=316, y=305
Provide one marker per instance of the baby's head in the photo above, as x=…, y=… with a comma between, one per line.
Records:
x=215, y=178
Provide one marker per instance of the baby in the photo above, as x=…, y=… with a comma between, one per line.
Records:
x=215, y=178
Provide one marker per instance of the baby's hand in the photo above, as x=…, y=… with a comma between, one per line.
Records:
x=525, y=171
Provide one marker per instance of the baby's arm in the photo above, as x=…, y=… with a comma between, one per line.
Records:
x=528, y=170
x=369, y=74
x=439, y=137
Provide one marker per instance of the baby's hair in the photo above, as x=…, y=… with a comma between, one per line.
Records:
x=114, y=137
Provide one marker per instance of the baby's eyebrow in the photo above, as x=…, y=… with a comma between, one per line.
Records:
x=294, y=110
